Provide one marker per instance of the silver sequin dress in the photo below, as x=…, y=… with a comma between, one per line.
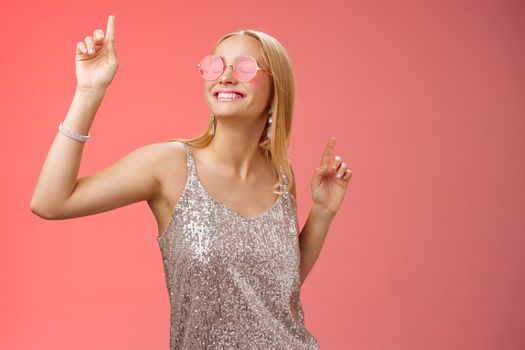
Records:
x=233, y=281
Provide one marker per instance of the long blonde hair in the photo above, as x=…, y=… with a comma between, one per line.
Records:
x=276, y=58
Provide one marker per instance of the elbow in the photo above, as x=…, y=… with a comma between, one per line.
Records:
x=40, y=211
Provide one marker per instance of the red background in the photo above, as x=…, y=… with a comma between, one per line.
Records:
x=426, y=100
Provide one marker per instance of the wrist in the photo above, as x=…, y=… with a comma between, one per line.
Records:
x=323, y=213
x=86, y=96
x=90, y=91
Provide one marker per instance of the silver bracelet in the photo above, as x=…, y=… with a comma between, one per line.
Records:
x=72, y=134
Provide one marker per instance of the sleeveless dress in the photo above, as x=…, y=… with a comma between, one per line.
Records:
x=233, y=281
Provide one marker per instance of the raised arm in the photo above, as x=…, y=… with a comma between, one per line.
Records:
x=58, y=193
x=131, y=179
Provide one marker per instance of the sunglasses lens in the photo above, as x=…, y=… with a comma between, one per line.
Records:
x=245, y=68
x=210, y=67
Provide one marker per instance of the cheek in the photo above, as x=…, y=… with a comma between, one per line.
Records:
x=206, y=87
x=206, y=92
x=263, y=91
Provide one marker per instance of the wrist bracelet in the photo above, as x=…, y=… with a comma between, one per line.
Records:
x=72, y=134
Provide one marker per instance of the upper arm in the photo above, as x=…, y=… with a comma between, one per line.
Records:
x=131, y=179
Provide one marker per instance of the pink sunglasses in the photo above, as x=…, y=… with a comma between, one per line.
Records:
x=245, y=68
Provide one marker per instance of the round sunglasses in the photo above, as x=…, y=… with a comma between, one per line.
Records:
x=245, y=68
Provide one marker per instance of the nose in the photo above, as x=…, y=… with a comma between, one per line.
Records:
x=227, y=75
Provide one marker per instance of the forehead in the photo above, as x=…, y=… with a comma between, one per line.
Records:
x=237, y=45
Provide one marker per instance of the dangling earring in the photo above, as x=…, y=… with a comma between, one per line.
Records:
x=213, y=124
x=268, y=132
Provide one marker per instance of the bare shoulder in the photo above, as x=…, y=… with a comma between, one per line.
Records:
x=166, y=149
x=165, y=162
x=155, y=155
x=169, y=159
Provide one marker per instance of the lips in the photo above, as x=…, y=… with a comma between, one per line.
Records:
x=228, y=91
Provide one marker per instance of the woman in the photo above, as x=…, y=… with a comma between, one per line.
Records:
x=232, y=257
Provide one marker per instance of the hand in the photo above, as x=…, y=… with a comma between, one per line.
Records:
x=328, y=190
x=96, y=69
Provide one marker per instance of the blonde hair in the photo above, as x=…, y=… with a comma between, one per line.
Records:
x=276, y=58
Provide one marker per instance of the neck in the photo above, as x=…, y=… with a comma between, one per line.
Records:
x=235, y=145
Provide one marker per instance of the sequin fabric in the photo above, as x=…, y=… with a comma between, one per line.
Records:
x=233, y=282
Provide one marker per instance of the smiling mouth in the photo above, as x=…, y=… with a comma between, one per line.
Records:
x=228, y=97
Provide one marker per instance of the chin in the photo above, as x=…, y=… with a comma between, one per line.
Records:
x=225, y=110
x=228, y=114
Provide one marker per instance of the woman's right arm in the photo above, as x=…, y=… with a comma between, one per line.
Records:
x=58, y=193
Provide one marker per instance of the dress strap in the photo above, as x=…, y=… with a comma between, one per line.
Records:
x=190, y=163
x=284, y=182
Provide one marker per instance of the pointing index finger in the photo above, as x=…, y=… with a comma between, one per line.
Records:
x=110, y=30
x=327, y=154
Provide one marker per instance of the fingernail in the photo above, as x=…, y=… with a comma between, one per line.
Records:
x=91, y=50
x=337, y=159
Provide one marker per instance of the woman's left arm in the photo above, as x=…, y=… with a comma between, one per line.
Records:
x=328, y=186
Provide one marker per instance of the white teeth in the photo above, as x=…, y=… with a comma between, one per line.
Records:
x=228, y=95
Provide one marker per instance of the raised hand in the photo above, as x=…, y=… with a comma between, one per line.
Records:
x=327, y=188
x=96, y=58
